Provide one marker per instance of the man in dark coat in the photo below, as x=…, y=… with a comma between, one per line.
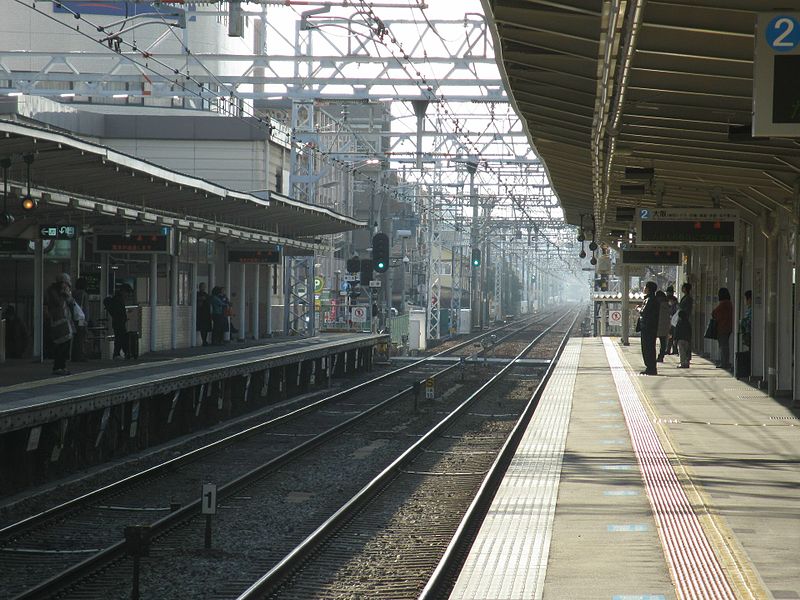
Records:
x=203, y=301
x=649, y=328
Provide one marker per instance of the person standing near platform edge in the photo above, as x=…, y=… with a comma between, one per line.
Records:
x=58, y=301
x=203, y=301
x=649, y=328
x=723, y=315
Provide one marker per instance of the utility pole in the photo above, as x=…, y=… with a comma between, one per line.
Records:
x=474, y=237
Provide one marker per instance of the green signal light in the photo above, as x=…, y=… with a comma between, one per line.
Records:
x=476, y=262
x=381, y=264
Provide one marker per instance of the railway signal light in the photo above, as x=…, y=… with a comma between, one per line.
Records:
x=366, y=271
x=380, y=252
x=476, y=257
x=353, y=265
x=28, y=203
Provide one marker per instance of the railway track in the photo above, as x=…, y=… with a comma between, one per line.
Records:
x=47, y=553
x=387, y=540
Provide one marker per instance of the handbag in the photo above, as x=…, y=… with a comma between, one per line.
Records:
x=711, y=330
x=78, y=314
x=674, y=320
x=60, y=331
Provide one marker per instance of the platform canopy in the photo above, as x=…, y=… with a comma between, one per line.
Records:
x=72, y=177
x=637, y=103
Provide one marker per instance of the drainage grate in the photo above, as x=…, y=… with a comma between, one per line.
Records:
x=784, y=419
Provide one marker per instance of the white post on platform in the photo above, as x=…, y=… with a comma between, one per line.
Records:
x=242, y=305
x=38, y=300
x=193, y=299
x=256, y=299
x=173, y=300
x=625, y=286
x=153, y=301
x=269, y=301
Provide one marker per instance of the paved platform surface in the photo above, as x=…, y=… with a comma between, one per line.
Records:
x=684, y=485
x=110, y=381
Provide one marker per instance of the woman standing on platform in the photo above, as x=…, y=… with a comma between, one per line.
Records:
x=723, y=315
x=59, y=310
x=203, y=301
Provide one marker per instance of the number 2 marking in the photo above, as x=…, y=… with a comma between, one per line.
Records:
x=787, y=31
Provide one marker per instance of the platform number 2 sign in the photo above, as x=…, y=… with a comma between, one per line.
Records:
x=783, y=33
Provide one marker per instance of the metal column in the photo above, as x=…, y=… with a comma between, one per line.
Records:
x=193, y=299
x=242, y=308
x=256, y=300
x=173, y=300
x=298, y=309
x=38, y=300
x=268, y=303
x=153, y=301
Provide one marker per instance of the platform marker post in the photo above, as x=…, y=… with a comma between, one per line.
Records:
x=208, y=499
x=137, y=541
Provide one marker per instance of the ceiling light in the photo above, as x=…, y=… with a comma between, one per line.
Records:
x=15, y=94
x=120, y=96
x=67, y=95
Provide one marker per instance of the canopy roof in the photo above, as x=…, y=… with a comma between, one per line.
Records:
x=81, y=175
x=658, y=84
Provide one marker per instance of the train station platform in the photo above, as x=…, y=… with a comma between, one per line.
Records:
x=33, y=402
x=628, y=487
x=54, y=426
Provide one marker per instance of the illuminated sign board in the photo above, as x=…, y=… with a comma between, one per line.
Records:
x=148, y=243
x=686, y=226
x=270, y=257
x=58, y=232
x=776, y=84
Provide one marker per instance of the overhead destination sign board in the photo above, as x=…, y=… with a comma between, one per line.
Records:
x=686, y=227
x=651, y=256
x=136, y=243
x=270, y=257
x=776, y=83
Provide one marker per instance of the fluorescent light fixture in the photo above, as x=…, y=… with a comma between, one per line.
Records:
x=15, y=94
x=274, y=97
x=120, y=96
x=67, y=95
x=373, y=161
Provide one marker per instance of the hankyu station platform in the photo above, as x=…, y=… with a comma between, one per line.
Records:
x=624, y=487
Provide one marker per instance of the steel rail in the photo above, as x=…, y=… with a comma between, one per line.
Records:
x=271, y=580
x=162, y=525
x=473, y=517
x=15, y=528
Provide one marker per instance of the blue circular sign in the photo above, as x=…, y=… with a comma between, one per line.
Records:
x=783, y=33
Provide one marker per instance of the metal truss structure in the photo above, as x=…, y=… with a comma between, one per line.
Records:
x=298, y=308
x=314, y=75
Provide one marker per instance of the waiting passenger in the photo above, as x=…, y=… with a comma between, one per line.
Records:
x=723, y=315
x=115, y=305
x=81, y=298
x=59, y=302
x=649, y=328
x=203, y=303
x=663, y=324
x=683, y=338
x=220, y=308
x=686, y=304
x=746, y=324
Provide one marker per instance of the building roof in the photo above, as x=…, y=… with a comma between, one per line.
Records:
x=93, y=178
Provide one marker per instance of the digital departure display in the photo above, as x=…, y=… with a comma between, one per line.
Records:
x=688, y=232
x=786, y=89
x=271, y=257
x=148, y=243
x=651, y=257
